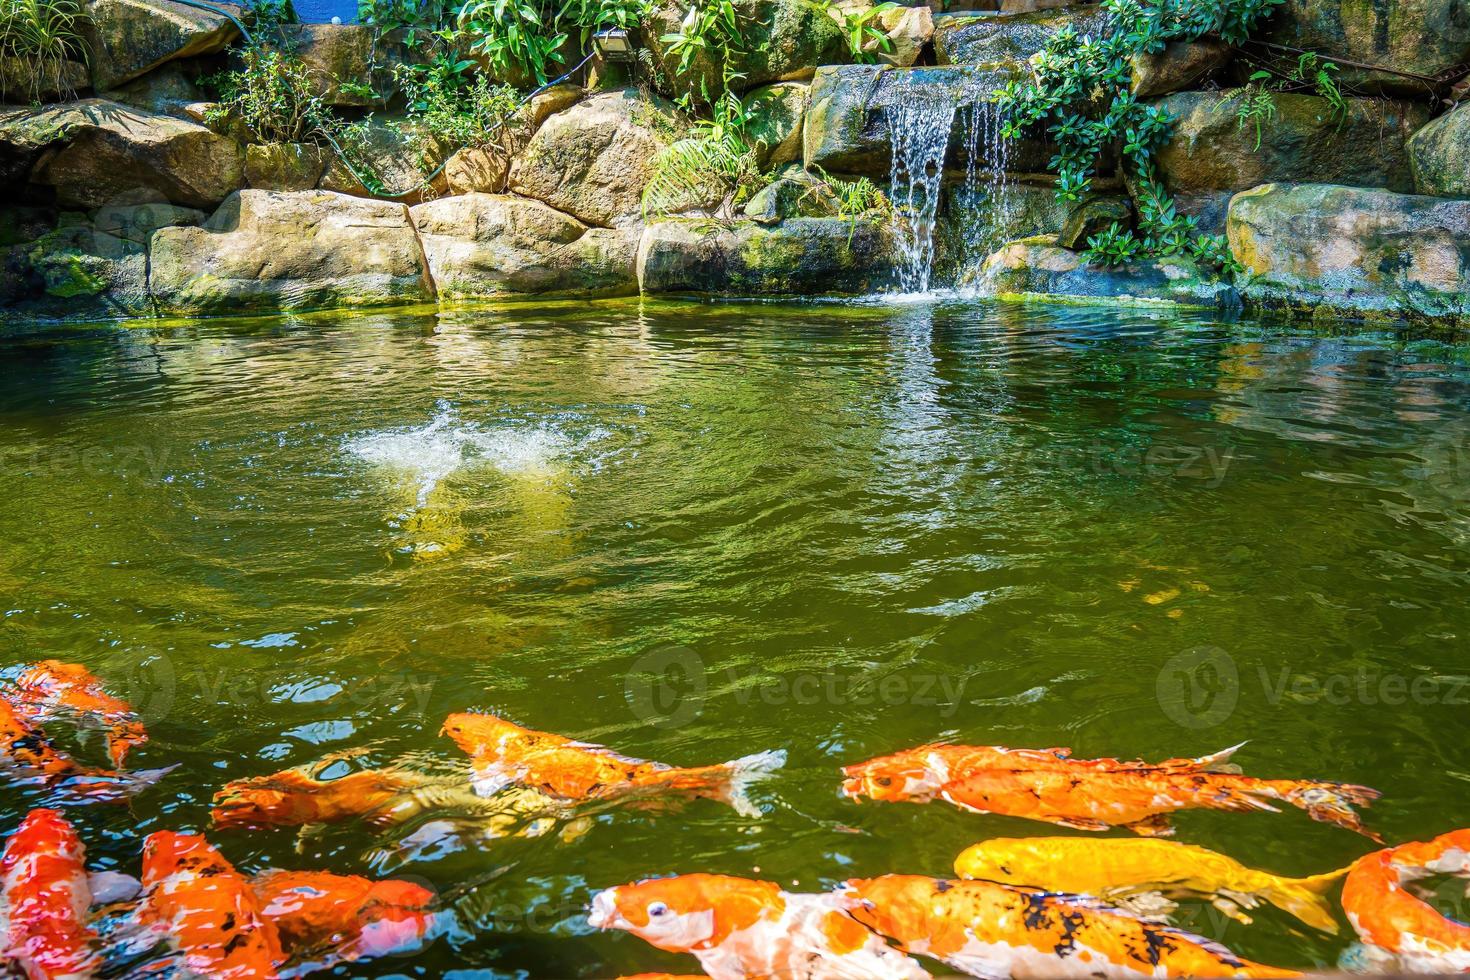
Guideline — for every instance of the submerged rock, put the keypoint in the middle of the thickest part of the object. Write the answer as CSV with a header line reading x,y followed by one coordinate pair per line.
x,y
1211,155
1353,251
1440,155
269,251
1422,37
486,245
783,41
1039,267
100,151
798,257
128,38
593,160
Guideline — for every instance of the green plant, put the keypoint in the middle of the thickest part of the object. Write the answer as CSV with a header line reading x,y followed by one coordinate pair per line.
x,y
712,31
1081,98
863,30
273,95
715,162
1255,105
420,21
1113,246
450,106
515,37
42,35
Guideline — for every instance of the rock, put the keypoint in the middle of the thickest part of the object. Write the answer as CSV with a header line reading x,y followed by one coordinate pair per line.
x,y
169,90
1007,39
1352,251
790,197
908,31
800,256
392,161
1038,267
476,170
1423,37
285,166
776,115
1181,65
1440,155
1210,156
975,221
848,110
594,159
339,58
128,38
545,104
485,245
136,223
103,150
24,81
785,41
78,272
1093,217
273,251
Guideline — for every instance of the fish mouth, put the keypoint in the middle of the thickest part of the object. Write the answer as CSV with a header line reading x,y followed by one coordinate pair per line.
x,y
852,787
604,914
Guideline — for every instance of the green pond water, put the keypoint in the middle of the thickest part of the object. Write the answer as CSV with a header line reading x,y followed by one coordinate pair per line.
x,y
696,532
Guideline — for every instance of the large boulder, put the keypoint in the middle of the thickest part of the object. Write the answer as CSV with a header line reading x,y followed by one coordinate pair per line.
x,y
128,38
798,257
1008,39
99,151
977,218
339,59
389,161
1425,38
593,160
1039,268
1181,65
481,246
776,113
269,251
1440,155
1335,250
476,170
851,109
285,166
27,80
78,272
907,31
1211,156
782,40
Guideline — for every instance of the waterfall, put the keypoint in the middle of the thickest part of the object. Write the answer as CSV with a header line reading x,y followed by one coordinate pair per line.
x,y
921,120
919,124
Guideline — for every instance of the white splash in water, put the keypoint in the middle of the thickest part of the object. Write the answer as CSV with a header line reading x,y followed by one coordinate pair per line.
x,y
919,124
429,454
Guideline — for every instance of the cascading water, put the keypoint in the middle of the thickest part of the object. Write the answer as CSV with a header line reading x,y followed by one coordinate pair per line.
x,y
919,124
987,183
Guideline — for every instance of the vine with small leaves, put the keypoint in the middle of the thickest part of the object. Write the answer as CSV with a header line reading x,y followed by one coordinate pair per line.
x,y
1081,96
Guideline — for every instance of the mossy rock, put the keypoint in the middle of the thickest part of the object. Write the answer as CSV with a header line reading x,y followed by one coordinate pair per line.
x,y
776,114
1351,251
1007,38
1440,155
1040,268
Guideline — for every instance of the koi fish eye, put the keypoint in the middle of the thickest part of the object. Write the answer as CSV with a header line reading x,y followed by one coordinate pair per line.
x,y
657,908
885,781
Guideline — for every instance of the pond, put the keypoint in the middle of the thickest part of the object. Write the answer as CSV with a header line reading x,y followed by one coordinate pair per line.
x,y
695,532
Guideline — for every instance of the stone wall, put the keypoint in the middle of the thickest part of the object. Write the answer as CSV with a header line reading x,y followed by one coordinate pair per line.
x,y
127,203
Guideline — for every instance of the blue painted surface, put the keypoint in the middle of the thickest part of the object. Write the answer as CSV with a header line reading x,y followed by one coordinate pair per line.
x,y
322,11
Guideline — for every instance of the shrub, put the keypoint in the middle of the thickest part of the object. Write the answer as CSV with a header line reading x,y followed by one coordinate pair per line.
x,y
42,35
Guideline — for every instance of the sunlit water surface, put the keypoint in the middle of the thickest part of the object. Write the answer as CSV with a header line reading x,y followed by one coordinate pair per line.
x,y
695,532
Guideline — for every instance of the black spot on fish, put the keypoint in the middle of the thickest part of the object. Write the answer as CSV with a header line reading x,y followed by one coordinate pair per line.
x,y
942,886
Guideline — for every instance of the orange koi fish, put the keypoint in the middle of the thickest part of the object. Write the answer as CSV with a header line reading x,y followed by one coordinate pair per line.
x,y
740,928
665,976
345,917
918,775
44,898
293,798
1400,931
26,750
505,753
1120,869
1096,794
53,688
207,909
995,931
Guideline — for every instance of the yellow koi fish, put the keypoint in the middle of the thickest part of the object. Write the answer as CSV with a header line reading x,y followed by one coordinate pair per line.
x,y
1118,868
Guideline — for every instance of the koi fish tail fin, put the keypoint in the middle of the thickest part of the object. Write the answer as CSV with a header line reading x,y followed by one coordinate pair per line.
x,y
1305,898
1220,761
1332,803
727,782
111,787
